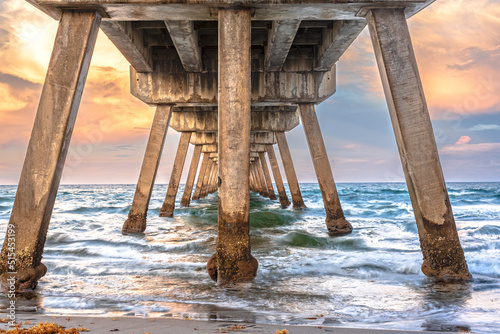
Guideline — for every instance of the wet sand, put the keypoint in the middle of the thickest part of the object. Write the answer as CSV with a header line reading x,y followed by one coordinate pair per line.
x,y
134,325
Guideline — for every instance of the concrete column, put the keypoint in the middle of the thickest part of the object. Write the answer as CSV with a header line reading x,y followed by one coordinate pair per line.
x,y
293,184
267,176
233,262
443,256
285,203
335,219
252,179
136,222
206,178
188,188
201,176
210,179
260,173
167,209
48,147
213,183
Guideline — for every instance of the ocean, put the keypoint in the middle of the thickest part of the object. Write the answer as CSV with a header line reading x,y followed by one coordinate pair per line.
x,y
368,279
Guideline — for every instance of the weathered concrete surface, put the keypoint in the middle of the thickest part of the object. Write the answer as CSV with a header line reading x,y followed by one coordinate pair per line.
x,y
136,221
442,252
209,148
267,176
293,184
188,188
262,121
185,39
201,176
48,147
335,219
285,203
232,263
210,138
279,42
167,209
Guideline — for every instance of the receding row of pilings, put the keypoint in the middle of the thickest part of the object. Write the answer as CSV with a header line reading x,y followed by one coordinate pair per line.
x,y
232,172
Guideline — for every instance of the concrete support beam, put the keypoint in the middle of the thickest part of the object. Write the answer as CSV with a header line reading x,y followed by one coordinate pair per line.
x,y
167,209
188,188
169,83
285,203
136,221
443,256
201,176
335,42
293,184
48,146
261,121
204,138
267,176
209,148
335,219
279,41
185,39
233,263
131,44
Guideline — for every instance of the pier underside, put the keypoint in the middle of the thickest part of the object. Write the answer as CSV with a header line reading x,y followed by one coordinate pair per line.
x,y
233,77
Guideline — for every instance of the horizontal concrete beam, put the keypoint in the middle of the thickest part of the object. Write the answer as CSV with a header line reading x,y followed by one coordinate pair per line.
x,y
169,83
262,10
261,121
210,138
258,148
209,149
130,42
280,39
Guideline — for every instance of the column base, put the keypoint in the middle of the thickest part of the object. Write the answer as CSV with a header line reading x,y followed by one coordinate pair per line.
x,y
285,203
26,279
273,197
299,205
245,271
135,223
339,226
445,263
167,213
185,202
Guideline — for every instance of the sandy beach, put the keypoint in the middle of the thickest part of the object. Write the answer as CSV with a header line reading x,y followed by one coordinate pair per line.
x,y
134,325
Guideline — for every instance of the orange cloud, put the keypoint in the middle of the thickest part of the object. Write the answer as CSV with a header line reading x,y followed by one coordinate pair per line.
x,y
464,140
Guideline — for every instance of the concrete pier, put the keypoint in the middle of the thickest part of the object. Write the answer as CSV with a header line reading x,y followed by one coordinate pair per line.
x,y
48,147
231,78
167,209
267,176
335,219
232,261
293,184
284,201
136,221
193,168
441,249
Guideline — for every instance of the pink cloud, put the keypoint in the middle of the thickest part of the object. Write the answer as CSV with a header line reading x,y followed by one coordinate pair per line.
x,y
464,140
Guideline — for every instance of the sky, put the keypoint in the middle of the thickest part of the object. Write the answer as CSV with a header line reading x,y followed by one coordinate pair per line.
x,y
457,50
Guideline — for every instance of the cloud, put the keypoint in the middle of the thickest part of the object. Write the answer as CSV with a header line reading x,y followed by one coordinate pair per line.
x,y
464,140
484,127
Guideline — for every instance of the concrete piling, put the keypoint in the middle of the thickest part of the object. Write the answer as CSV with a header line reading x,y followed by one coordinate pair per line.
x,y
335,219
293,184
443,256
284,201
136,221
188,188
201,176
167,209
48,145
267,176
233,262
